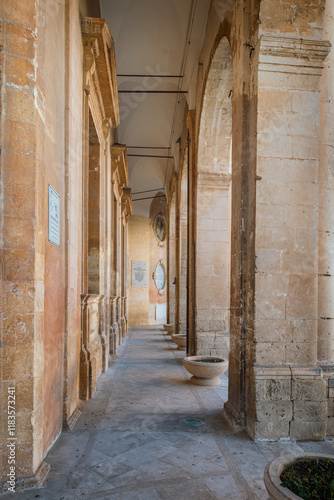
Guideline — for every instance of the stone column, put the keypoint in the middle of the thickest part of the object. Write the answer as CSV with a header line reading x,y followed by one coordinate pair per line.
x,y
192,236
177,252
183,248
171,261
290,399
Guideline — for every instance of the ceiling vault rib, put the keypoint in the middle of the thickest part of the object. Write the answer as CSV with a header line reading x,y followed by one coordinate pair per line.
x,y
153,91
147,147
148,191
151,156
150,197
150,76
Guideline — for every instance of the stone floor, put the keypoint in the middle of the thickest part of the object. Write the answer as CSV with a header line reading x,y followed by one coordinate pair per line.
x,y
132,442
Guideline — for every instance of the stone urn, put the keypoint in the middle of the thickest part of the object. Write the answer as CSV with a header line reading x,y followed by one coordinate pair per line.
x,y
169,328
274,470
205,369
181,341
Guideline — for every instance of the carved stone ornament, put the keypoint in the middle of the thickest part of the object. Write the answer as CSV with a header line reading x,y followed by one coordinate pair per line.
x,y
160,229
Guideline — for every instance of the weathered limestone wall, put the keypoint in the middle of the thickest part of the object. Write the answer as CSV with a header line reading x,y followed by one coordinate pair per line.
x,y
33,156
139,250
297,19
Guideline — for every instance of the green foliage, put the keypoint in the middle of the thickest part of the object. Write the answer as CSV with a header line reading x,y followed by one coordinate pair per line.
x,y
310,479
209,360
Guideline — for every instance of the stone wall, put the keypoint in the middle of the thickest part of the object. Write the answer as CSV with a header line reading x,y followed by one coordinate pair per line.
x,y
48,66
144,246
139,250
32,156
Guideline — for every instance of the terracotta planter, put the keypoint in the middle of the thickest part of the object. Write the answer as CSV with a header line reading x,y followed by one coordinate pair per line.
x,y
275,468
169,328
181,341
205,373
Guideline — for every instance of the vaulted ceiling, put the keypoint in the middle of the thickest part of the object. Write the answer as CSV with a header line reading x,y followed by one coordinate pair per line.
x,y
158,45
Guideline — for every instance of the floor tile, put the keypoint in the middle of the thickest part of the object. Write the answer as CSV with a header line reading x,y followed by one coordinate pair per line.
x,y
132,441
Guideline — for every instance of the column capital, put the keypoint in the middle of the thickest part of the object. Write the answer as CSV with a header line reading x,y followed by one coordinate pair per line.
x,y
213,180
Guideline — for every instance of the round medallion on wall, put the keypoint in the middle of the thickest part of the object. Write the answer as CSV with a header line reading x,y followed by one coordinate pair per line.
x,y
160,277
159,228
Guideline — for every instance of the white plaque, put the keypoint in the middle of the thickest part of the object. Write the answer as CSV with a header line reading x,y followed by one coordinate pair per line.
x,y
54,217
160,277
161,311
139,273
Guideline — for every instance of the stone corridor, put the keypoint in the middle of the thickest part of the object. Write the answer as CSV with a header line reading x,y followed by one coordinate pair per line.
x,y
132,442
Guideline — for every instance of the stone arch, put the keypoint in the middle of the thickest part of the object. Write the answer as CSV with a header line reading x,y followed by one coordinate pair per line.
x,y
214,151
213,206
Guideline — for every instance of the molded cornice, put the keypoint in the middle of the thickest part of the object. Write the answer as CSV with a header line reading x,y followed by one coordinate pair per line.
x,y
101,64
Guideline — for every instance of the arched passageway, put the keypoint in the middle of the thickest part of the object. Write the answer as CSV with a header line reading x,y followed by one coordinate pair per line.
x,y
82,139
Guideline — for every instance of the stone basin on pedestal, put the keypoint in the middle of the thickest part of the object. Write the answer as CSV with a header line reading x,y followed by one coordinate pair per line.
x,y
181,341
169,328
205,369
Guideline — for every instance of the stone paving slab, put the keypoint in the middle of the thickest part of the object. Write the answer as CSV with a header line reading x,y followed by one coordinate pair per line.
x,y
132,442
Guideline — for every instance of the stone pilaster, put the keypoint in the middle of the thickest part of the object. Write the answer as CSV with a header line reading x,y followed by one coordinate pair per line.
x,y
287,200
91,355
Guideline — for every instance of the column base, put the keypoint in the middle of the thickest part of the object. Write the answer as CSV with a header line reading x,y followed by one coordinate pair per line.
x,y
70,423
23,483
290,403
235,419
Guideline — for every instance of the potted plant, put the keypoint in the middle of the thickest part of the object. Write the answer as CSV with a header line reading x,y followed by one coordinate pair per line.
x,y
205,369
308,476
